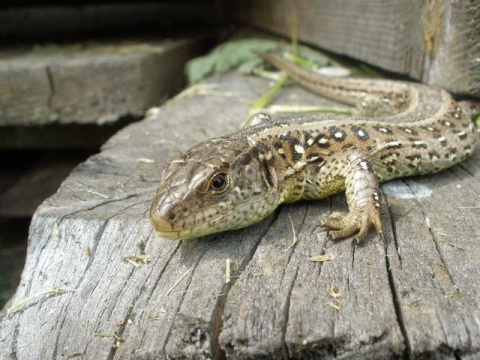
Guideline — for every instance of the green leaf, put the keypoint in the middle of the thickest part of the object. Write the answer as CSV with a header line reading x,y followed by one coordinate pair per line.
x,y
228,56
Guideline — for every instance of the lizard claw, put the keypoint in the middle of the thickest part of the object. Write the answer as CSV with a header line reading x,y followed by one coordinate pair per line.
x,y
356,223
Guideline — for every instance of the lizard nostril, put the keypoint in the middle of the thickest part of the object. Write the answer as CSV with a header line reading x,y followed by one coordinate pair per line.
x,y
168,211
163,218
173,210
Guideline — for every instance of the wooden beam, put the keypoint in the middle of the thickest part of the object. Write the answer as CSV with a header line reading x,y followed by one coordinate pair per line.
x,y
436,42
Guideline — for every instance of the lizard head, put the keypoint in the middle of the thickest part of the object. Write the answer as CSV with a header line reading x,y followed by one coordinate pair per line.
x,y
218,185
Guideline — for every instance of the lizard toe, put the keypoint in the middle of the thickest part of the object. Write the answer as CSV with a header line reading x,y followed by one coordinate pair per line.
x,y
336,221
356,223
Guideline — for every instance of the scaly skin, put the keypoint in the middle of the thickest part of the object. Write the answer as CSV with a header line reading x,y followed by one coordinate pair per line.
x,y
236,180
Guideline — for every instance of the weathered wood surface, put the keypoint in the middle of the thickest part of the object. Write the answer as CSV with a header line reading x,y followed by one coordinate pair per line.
x,y
419,300
436,42
91,83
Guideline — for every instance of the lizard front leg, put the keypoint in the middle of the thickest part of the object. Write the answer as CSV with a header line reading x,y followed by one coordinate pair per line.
x,y
363,198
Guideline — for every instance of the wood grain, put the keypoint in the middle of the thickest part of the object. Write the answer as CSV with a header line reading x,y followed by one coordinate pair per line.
x,y
91,83
419,299
435,41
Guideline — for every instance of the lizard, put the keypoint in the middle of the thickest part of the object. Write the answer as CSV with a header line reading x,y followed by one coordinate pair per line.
x,y
399,129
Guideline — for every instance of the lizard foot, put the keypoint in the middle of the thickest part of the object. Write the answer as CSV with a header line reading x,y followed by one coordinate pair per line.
x,y
356,223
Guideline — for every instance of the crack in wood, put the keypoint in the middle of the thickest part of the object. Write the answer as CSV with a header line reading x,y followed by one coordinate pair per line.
x,y
180,302
107,202
407,354
51,86
393,232
153,288
113,349
433,237
216,320
16,333
96,241
286,310
287,314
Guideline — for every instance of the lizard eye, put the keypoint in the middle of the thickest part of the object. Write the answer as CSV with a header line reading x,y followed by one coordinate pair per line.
x,y
218,182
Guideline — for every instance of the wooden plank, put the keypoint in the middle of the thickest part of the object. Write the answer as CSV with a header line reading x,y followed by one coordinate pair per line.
x,y
74,19
432,41
419,299
92,83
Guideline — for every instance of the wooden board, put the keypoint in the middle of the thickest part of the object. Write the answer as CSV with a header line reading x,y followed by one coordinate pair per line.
x,y
91,83
81,297
25,19
436,42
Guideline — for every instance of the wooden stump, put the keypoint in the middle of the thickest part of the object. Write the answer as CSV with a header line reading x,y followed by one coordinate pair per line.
x,y
99,284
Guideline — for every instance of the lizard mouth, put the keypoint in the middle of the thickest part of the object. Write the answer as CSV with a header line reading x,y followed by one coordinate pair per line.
x,y
229,220
165,228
